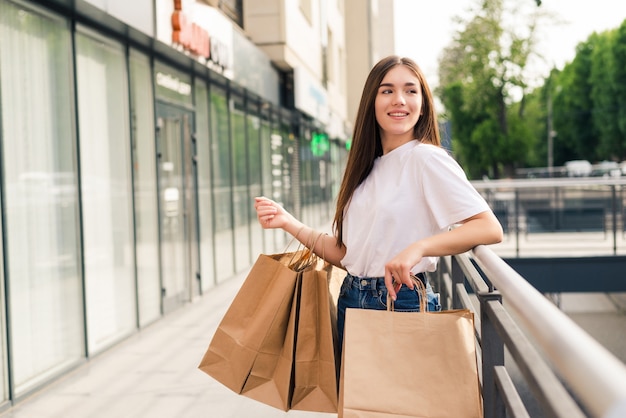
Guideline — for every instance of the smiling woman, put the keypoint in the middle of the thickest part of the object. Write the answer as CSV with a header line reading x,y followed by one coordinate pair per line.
x,y
398,107
399,195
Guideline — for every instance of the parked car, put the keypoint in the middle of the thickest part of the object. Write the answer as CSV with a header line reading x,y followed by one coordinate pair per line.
x,y
578,168
606,169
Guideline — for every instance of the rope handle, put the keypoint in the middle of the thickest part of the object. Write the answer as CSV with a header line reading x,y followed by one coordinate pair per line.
x,y
421,292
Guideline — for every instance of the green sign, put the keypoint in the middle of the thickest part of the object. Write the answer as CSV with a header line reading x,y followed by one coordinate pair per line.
x,y
319,144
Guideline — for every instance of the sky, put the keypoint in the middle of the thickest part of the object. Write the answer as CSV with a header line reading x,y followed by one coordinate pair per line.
x,y
423,28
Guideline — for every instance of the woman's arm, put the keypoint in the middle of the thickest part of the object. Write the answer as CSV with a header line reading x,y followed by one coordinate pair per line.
x,y
271,215
482,228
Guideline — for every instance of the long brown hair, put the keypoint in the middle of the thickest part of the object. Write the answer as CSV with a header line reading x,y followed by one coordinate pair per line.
x,y
366,143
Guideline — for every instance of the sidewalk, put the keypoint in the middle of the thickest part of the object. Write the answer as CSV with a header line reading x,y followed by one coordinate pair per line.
x,y
155,374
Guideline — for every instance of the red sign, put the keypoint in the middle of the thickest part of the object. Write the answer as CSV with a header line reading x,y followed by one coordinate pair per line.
x,y
195,39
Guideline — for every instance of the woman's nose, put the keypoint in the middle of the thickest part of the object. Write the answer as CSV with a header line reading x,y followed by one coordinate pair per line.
x,y
399,99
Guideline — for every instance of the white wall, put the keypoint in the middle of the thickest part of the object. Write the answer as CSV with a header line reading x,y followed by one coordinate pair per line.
x,y
136,13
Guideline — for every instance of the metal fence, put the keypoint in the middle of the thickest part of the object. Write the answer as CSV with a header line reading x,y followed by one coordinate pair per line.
x,y
568,373
593,208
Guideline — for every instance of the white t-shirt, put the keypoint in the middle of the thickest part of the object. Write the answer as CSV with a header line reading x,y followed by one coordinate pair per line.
x,y
413,192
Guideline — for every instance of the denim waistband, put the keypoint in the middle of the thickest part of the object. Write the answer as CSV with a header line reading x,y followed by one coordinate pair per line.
x,y
375,283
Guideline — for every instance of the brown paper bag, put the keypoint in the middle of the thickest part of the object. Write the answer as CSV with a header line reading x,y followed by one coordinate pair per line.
x,y
250,338
402,364
271,375
315,368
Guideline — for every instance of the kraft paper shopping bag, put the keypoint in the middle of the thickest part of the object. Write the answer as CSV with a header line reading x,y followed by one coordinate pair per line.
x,y
409,364
316,354
257,319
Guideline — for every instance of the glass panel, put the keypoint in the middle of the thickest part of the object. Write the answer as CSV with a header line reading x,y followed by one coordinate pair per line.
x,y
281,148
308,181
255,175
266,172
172,86
204,186
144,166
224,263
314,153
179,240
191,203
241,197
46,309
106,184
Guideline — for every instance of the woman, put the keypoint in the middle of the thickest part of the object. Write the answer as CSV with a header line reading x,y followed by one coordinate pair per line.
x,y
400,194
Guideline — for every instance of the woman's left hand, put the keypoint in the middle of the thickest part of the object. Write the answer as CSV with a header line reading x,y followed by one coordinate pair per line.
x,y
398,269
480,229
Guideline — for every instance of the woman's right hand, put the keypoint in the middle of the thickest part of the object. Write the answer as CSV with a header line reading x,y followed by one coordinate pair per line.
x,y
270,214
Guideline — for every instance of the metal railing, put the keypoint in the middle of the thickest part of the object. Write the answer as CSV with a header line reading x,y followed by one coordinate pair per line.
x,y
568,372
534,210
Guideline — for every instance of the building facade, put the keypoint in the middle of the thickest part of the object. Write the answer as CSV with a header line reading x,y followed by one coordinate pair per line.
x,y
133,138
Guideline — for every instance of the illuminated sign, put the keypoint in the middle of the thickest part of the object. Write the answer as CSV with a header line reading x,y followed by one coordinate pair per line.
x,y
195,39
319,144
173,83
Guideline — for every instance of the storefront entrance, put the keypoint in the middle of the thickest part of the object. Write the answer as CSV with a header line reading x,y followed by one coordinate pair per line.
x,y
177,206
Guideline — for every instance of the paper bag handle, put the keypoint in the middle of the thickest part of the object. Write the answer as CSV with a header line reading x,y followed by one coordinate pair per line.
x,y
421,291
308,258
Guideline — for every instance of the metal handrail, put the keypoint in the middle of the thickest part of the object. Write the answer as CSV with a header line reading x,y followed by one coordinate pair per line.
x,y
547,183
596,377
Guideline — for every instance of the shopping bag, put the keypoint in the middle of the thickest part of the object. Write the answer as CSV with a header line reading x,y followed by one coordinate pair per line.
x,y
316,354
409,364
270,380
250,337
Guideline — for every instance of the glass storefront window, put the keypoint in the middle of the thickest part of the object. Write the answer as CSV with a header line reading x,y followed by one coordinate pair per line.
x,y
40,181
241,198
106,185
205,205
223,203
145,188
255,174
281,148
266,170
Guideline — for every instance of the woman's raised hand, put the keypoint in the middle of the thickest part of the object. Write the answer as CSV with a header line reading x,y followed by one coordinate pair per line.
x,y
270,213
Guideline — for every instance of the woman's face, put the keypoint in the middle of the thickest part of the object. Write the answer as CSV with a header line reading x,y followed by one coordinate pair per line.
x,y
398,105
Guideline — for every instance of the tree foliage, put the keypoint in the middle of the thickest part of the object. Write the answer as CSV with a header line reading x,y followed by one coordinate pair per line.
x,y
499,123
590,100
480,74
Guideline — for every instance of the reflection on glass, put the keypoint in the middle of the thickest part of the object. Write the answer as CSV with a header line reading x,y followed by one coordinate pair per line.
x,y
41,197
146,217
255,176
175,274
241,201
221,163
106,198
205,208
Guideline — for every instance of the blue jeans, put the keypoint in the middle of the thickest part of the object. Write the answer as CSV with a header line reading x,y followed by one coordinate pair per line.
x,y
371,293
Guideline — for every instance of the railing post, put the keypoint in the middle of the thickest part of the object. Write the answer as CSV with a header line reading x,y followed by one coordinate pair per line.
x,y
492,355
614,219
517,222
458,277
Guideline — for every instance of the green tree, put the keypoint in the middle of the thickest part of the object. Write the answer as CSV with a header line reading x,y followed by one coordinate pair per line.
x,y
480,72
531,118
570,91
604,96
619,58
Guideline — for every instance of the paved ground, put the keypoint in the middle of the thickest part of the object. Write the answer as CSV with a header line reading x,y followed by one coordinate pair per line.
x,y
154,373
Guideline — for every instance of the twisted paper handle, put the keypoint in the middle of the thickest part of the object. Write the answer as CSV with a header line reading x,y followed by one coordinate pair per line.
x,y
421,291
